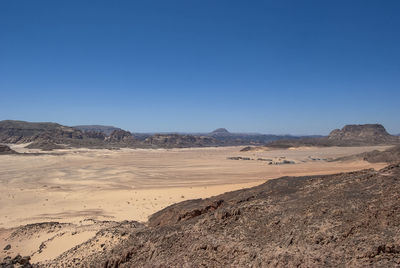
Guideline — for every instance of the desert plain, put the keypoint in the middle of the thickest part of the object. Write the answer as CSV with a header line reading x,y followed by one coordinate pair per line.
x,y
80,186
131,184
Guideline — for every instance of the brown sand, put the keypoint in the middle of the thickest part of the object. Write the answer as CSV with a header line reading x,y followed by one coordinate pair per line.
x,y
129,184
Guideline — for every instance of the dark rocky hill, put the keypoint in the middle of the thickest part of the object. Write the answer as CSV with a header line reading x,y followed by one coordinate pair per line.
x,y
120,135
22,132
107,130
47,133
370,133
343,220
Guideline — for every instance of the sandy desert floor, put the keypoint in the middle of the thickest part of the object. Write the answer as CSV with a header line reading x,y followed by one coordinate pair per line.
x,y
80,185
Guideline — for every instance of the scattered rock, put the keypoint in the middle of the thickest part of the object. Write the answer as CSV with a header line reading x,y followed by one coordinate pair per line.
x,y
238,158
17,261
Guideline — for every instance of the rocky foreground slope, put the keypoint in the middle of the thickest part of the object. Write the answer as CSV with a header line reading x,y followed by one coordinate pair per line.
x,y
343,220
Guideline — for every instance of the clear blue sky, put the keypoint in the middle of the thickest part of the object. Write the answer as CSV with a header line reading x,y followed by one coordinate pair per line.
x,y
300,67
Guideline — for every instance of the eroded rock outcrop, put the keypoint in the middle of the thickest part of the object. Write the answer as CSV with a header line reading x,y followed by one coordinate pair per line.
x,y
120,136
369,133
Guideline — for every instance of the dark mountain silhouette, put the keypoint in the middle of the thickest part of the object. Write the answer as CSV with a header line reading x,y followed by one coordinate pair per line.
x,y
220,131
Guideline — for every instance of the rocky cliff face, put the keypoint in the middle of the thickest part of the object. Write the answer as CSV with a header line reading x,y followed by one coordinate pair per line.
x,y
120,136
49,136
343,220
106,130
373,133
23,132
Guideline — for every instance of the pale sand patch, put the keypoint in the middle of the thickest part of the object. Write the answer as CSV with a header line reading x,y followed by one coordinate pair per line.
x,y
46,243
62,243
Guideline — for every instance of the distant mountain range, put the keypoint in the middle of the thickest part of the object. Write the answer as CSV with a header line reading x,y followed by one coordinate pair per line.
x,y
50,136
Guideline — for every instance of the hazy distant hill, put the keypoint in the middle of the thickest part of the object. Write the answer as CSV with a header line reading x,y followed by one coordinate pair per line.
x,y
220,131
97,128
